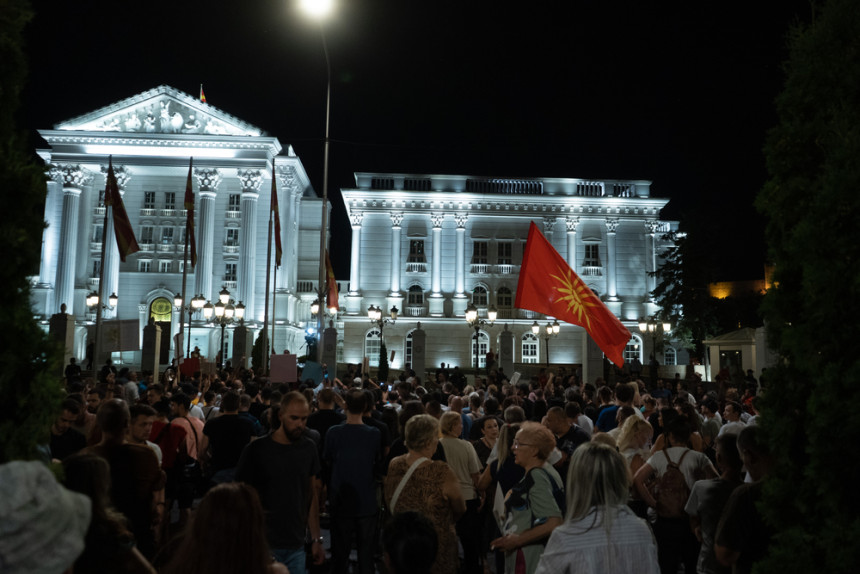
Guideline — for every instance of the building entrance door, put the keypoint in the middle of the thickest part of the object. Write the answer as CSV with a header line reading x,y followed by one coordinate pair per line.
x,y
161,311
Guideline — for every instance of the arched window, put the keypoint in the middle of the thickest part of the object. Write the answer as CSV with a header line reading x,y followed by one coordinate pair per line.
x,y
479,296
531,348
407,350
480,346
670,356
633,350
372,344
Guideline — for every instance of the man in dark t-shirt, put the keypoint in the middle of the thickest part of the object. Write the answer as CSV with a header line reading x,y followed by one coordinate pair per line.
x,y
326,417
228,435
351,451
66,441
568,436
284,468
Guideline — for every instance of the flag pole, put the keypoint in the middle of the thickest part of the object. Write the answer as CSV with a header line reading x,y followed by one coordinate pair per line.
x,y
188,234
265,333
97,347
274,303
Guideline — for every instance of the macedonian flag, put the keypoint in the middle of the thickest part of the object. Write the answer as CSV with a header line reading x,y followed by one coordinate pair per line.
x,y
189,217
330,284
548,285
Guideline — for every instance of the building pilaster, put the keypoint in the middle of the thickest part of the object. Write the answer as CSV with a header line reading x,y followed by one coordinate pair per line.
x,y
73,178
396,221
611,286
251,180
571,223
208,180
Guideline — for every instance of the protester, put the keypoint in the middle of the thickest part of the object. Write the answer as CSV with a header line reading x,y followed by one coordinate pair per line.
x,y
226,535
533,510
430,488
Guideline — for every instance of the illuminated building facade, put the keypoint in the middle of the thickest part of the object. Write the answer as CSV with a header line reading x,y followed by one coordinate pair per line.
x,y
432,244
151,137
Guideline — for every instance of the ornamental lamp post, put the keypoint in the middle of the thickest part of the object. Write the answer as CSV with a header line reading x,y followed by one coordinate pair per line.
x,y
551,331
654,326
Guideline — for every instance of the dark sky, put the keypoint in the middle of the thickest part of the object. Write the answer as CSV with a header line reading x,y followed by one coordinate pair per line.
x,y
680,93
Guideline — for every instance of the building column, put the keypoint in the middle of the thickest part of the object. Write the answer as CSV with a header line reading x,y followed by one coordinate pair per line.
x,y
208,179
251,180
437,308
111,261
293,238
571,223
286,280
548,228
611,286
353,298
50,239
73,178
461,300
651,226
396,221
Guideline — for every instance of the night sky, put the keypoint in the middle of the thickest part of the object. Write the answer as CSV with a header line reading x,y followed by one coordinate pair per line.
x,y
680,93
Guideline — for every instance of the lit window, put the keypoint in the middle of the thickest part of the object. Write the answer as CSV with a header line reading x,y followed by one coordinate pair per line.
x,y
479,296
166,235
633,350
407,352
416,251
531,348
149,200
479,252
416,295
480,346
144,265
169,200
164,266
232,237
372,344
670,356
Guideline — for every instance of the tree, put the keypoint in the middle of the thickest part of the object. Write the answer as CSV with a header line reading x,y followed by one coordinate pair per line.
x,y
30,390
382,372
811,200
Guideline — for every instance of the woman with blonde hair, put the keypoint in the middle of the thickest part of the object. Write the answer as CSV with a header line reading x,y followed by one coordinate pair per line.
x,y
601,534
633,446
534,504
415,483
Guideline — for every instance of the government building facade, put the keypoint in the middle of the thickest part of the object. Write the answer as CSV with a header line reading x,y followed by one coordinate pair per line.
x,y
151,138
431,245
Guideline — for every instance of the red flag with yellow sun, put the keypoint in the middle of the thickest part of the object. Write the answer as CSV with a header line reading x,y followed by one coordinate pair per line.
x,y
548,285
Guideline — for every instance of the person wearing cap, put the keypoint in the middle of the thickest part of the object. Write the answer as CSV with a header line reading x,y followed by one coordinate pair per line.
x,y
42,524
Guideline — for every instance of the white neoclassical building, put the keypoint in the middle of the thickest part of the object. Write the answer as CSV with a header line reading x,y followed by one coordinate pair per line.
x,y
432,244
151,137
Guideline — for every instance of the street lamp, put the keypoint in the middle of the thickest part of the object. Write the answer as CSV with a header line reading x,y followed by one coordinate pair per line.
x,y
550,332
476,323
93,301
654,326
197,302
223,313
375,316
319,10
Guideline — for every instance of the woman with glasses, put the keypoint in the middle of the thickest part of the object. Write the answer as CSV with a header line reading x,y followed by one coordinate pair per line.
x,y
534,505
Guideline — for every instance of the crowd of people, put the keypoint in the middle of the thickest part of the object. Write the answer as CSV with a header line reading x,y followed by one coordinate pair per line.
x,y
226,472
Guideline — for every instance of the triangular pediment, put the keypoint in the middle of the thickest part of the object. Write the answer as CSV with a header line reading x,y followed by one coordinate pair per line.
x,y
162,110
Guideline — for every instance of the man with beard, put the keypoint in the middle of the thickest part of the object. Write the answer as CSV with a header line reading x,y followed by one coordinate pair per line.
x,y
284,467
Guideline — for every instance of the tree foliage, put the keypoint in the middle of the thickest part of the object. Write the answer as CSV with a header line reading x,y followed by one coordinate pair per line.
x,y
811,201
30,390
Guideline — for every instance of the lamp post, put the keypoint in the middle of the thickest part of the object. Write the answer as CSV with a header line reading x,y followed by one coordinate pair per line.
x,y
375,316
197,302
223,313
654,326
550,332
319,11
93,301
476,323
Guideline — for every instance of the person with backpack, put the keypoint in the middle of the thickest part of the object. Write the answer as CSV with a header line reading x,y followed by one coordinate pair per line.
x,y
664,483
535,505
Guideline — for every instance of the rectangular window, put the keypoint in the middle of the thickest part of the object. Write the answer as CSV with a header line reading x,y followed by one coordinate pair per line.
x,y
97,268
416,251
183,232
149,200
146,235
144,265
530,350
169,200
164,266
166,235
229,272
505,253
98,233
479,252
592,255
181,266
235,202
232,237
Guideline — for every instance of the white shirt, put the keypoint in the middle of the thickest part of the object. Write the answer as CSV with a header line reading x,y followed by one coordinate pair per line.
x,y
584,547
731,428
586,423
